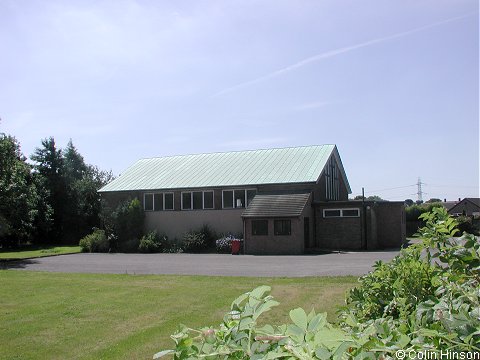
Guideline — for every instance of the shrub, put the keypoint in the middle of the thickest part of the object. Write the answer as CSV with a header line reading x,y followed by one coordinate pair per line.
x,y
129,246
194,241
172,247
128,222
152,243
95,242
465,224
224,245
413,305
209,235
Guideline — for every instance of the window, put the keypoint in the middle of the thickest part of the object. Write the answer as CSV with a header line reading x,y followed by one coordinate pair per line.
x,y
208,200
332,213
148,202
282,227
227,199
187,201
168,201
197,200
341,213
350,213
259,227
332,183
237,198
158,201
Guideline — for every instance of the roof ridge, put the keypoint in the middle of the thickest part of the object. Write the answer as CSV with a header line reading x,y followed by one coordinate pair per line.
x,y
235,151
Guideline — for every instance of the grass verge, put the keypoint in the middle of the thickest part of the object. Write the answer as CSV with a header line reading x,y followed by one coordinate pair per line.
x,y
102,316
36,252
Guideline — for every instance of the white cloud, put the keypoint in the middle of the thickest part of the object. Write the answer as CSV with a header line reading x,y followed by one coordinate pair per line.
x,y
333,53
312,105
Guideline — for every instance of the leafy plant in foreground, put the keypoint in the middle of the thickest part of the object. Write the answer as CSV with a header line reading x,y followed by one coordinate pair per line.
x,y
427,298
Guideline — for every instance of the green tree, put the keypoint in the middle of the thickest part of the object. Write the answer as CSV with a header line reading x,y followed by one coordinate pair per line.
x,y
433,200
128,225
83,181
409,202
49,171
18,196
370,198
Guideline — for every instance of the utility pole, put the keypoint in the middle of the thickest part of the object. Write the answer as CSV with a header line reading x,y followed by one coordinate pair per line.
x,y
419,190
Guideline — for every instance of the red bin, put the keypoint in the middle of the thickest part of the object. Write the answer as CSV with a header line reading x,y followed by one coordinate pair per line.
x,y
235,247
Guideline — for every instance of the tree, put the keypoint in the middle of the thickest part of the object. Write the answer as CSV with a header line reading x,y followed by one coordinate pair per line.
x,y
370,198
409,202
74,169
128,225
433,200
18,195
83,181
49,173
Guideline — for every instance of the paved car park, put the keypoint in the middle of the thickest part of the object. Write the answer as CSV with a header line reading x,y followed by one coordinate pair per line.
x,y
331,264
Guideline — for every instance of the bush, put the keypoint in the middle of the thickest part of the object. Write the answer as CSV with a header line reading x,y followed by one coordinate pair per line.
x,y
465,224
95,242
194,241
209,235
128,222
172,247
129,246
152,243
224,245
414,305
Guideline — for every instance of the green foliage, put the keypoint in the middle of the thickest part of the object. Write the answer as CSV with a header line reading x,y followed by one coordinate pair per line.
x,y
172,247
199,240
427,298
18,194
50,173
69,204
209,234
128,220
413,212
95,242
152,243
440,308
194,241
369,198
465,224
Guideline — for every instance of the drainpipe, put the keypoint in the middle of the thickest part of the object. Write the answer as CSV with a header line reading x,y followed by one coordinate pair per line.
x,y
314,221
364,211
244,236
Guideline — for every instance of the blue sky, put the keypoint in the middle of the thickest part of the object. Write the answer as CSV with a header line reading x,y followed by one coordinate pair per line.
x,y
395,84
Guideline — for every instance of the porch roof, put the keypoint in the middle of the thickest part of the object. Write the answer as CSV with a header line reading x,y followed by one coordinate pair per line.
x,y
277,205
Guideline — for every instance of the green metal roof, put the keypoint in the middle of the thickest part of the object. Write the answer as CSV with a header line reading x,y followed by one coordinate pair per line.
x,y
254,167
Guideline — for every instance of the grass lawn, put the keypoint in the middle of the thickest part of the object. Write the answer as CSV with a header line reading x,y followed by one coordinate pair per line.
x,y
98,316
37,251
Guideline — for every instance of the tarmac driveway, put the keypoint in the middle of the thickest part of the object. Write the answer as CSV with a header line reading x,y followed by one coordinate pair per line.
x,y
349,263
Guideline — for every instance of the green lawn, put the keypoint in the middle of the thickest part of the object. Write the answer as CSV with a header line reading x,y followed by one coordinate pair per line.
x,y
36,251
92,316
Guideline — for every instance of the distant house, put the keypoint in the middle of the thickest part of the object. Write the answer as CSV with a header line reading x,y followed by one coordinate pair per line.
x,y
283,201
467,207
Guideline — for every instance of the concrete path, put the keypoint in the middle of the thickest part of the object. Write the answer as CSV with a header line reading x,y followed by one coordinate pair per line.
x,y
350,263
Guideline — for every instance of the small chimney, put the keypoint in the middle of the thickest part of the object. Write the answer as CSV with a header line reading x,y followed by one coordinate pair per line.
x,y
444,200
459,199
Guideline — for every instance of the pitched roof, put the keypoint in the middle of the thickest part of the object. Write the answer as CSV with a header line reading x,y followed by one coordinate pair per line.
x,y
280,205
474,201
254,167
